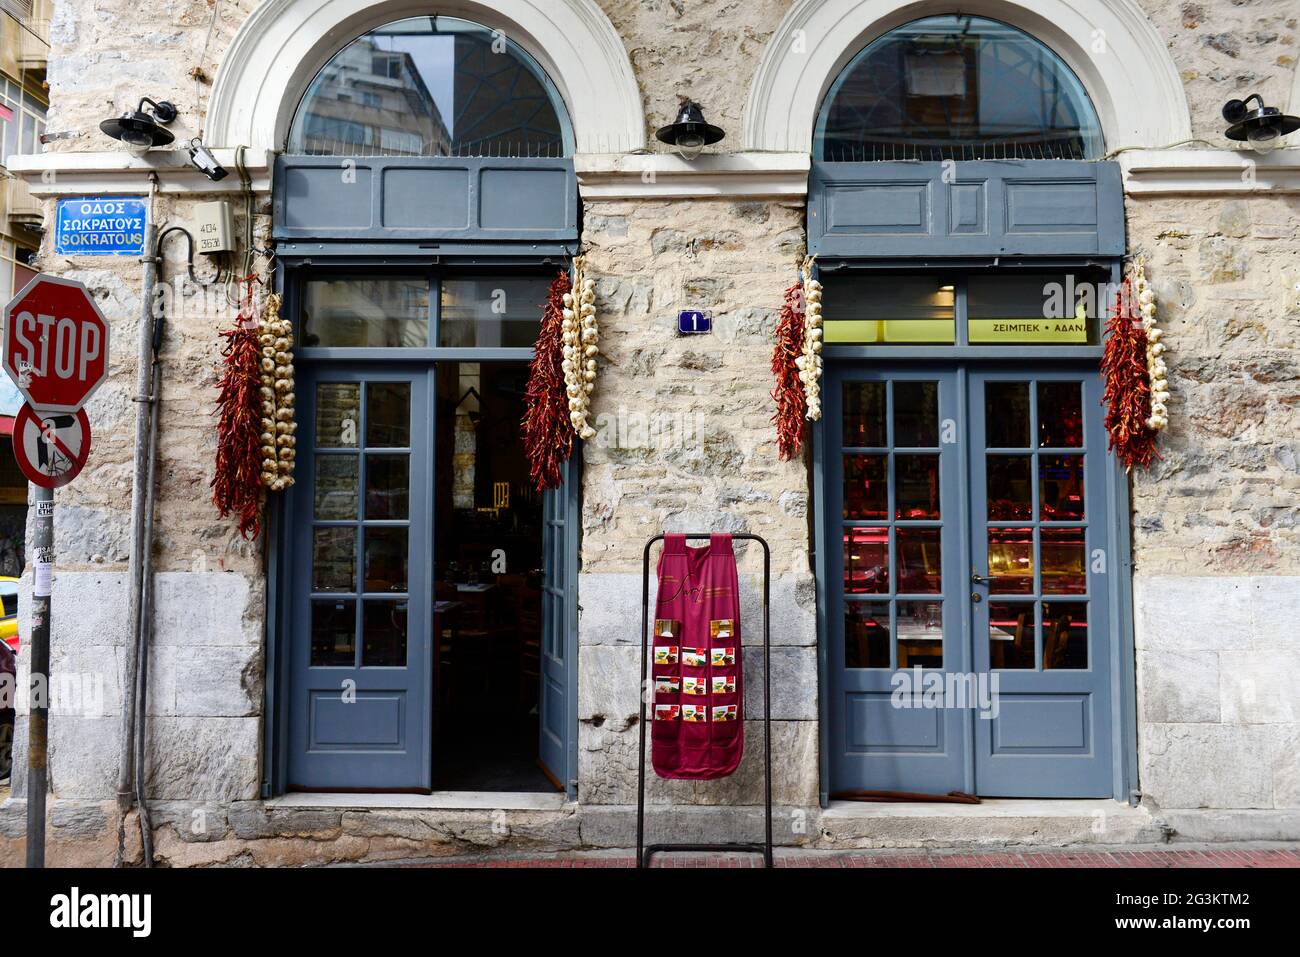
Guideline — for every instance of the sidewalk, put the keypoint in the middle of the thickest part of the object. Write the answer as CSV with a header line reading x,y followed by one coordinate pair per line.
x,y
1189,855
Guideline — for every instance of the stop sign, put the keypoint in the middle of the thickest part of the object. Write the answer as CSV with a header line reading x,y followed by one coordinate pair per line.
x,y
56,344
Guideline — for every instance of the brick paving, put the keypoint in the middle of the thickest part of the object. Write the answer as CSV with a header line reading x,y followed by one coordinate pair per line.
x,y
1213,856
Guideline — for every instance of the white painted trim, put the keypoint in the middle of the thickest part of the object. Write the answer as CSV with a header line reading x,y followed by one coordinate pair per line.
x,y
284,43
711,176
117,171
1173,172
614,176
1134,84
437,800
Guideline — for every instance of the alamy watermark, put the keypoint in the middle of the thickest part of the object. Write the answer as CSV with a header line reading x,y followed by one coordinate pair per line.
x,y
918,688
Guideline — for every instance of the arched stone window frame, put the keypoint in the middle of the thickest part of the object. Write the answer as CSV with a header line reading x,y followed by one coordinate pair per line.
x,y
1109,44
283,44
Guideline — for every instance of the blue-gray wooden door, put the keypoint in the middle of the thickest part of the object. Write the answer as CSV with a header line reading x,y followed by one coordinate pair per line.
x,y
1039,521
360,648
557,699
966,534
893,562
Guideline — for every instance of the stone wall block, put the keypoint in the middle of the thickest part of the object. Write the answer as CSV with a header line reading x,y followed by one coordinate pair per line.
x,y
208,759
1176,761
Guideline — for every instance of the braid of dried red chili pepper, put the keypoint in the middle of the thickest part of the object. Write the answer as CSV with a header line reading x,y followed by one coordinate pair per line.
x,y
1128,387
237,482
791,403
547,434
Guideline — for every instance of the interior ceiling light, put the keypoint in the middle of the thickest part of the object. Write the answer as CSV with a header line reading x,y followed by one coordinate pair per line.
x,y
1262,127
689,132
141,130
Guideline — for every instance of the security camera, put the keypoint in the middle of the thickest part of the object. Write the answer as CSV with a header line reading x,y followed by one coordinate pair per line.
x,y
205,162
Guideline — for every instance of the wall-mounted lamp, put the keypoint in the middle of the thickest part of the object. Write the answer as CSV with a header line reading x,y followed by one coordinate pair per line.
x,y
202,159
140,130
1263,127
689,132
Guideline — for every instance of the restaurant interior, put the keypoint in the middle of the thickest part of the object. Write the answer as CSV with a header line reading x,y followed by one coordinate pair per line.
x,y
487,531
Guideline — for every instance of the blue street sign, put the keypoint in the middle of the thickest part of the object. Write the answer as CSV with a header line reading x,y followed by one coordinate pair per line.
x,y
100,226
690,321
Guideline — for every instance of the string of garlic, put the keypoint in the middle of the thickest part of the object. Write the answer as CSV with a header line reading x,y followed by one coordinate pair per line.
x,y
810,362
1157,371
581,347
275,336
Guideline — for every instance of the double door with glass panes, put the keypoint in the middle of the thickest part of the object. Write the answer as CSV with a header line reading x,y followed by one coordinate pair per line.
x,y
969,628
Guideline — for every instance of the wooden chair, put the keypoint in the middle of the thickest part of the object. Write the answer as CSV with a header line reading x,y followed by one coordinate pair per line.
x,y
1056,648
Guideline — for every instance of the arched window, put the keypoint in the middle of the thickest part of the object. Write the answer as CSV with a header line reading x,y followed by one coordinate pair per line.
x,y
957,87
431,86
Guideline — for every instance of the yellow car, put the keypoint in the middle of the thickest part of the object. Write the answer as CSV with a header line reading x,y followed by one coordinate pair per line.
x,y
9,613
8,670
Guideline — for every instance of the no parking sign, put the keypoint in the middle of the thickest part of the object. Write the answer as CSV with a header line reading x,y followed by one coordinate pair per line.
x,y
51,449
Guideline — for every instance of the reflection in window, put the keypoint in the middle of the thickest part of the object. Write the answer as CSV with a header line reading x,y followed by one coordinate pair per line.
x,y
864,415
383,634
1006,415
920,634
1063,561
866,634
336,487
959,88
333,634
1065,634
916,414
919,561
1010,490
492,312
1011,635
430,86
334,559
388,486
1060,415
866,488
892,309
1011,561
916,491
1061,487
386,559
366,312
866,560
1036,308
388,415
338,410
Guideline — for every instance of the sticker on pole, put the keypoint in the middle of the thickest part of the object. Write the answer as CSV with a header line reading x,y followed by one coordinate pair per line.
x,y
52,449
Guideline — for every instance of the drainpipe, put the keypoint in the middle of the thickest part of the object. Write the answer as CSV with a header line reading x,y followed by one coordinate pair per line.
x,y
144,395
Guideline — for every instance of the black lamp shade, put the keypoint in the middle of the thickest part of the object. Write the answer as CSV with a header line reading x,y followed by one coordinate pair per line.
x,y
1246,121
690,127
140,129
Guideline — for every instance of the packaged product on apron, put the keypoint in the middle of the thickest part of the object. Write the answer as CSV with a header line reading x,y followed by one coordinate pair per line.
x,y
697,728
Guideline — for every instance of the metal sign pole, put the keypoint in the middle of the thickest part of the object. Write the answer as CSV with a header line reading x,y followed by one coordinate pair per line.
x,y
39,685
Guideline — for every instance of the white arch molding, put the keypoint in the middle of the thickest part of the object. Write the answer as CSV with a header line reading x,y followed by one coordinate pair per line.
x,y
284,43
1112,47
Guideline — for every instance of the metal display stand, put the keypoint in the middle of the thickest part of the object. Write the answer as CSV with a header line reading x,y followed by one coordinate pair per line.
x,y
644,852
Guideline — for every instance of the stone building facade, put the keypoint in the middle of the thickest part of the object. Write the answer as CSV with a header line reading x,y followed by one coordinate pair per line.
x,y
1214,658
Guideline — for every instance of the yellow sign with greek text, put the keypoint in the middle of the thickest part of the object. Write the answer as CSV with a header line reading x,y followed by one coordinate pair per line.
x,y
1028,330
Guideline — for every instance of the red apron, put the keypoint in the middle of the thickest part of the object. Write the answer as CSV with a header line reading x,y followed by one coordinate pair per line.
x,y
697,726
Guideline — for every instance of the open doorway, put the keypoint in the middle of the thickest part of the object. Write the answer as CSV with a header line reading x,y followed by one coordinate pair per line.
x,y
431,598
488,535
